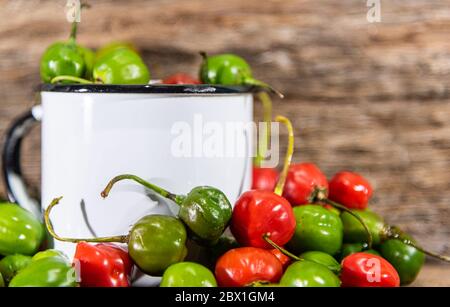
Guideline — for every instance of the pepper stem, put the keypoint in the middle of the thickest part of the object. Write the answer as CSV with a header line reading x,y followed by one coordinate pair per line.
x,y
48,224
393,232
70,78
360,220
178,199
252,81
289,152
266,238
267,117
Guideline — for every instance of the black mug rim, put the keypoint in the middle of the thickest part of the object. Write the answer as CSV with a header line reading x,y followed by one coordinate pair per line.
x,y
199,89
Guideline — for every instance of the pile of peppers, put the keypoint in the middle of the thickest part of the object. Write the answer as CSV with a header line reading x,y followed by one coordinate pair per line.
x,y
294,228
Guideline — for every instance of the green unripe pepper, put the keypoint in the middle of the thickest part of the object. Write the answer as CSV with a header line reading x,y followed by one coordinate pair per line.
x,y
89,59
351,248
229,69
205,210
2,282
12,264
323,259
154,242
188,274
48,253
112,47
61,58
406,260
20,231
121,66
354,231
381,232
46,272
318,229
309,274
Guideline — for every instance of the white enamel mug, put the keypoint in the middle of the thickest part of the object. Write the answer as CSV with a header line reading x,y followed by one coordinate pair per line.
x,y
91,133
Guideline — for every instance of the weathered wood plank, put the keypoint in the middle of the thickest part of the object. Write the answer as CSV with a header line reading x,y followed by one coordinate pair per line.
x,y
374,98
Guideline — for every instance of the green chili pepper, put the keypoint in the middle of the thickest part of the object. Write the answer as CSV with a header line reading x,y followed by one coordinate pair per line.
x,y
154,242
48,253
12,264
121,66
53,271
21,232
89,59
106,49
188,274
229,69
205,210
407,260
351,248
309,274
64,58
323,259
318,229
2,282
381,232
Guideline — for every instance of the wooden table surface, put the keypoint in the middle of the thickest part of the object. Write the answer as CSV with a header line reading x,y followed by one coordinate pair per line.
x,y
433,275
368,97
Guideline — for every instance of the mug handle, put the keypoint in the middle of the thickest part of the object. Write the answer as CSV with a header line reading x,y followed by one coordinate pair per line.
x,y
12,172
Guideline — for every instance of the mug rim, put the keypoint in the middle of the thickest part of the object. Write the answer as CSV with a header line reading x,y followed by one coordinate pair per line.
x,y
208,89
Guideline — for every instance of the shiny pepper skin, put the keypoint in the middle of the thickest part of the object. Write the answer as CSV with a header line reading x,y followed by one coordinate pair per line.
x,y
367,270
305,183
257,213
245,265
407,260
103,265
49,271
318,229
156,242
62,58
12,264
309,274
323,259
285,260
121,66
264,178
350,189
188,274
20,231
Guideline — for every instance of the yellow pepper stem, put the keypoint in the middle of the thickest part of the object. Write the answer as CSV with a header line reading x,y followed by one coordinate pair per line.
x,y
48,224
289,152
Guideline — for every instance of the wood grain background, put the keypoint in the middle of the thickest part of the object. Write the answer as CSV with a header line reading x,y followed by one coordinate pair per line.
x,y
369,97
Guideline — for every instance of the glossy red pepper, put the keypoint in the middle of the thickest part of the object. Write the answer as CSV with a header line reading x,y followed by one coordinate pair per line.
x,y
264,178
285,260
350,189
103,265
257,214
368,270
180,78
242,266
305,183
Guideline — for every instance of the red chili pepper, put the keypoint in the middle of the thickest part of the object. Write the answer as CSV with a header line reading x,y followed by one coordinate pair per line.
x,y
180,78
305,183
103,265
367,270
242,266
258,214
350,189
285,260
264,178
